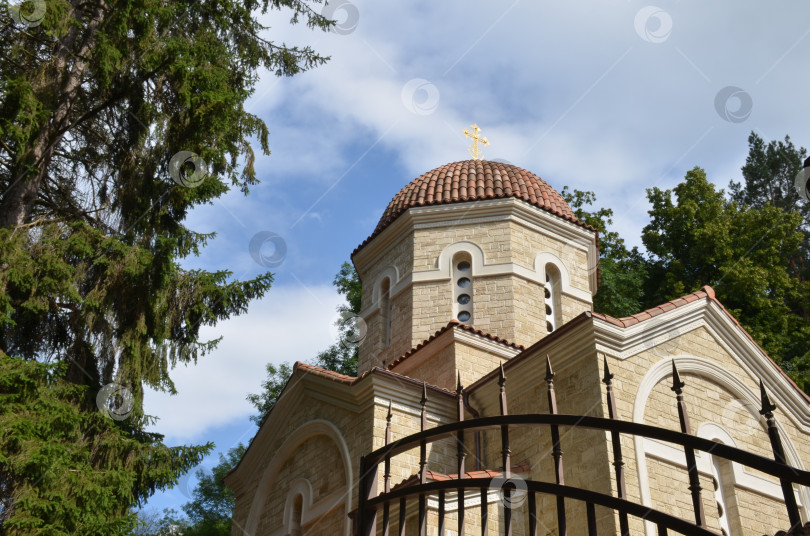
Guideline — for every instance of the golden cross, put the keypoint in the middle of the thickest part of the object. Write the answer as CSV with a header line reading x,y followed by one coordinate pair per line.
x,y
475,150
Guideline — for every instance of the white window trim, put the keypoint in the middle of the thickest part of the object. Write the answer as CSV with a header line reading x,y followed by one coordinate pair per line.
x,y
722,377
459,257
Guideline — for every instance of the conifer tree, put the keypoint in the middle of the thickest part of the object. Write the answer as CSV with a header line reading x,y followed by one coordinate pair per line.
x,y
117,117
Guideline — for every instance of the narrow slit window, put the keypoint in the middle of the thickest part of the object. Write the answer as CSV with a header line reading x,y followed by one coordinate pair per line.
x,y
296,529
551,294
385,307
462,289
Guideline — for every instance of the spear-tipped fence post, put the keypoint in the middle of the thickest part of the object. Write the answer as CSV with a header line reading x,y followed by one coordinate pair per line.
x,y
691,464
387,473
556,450
779,455
618,462
367,516
506,456
462,453
423,465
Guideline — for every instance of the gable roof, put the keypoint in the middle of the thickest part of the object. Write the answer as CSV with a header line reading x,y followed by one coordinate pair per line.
x,y
705,293
453,324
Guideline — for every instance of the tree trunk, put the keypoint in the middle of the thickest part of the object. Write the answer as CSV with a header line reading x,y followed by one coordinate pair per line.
x,y
32,169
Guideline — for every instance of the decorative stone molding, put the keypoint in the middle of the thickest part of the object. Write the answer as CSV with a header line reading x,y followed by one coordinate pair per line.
x,y
482,211
270,475
716,374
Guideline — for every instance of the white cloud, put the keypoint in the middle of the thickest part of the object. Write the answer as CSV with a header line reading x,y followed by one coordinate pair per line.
x,y
290,324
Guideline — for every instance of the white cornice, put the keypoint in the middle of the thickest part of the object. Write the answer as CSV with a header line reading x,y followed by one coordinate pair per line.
x,y
482,211
624,343
459,335
564,351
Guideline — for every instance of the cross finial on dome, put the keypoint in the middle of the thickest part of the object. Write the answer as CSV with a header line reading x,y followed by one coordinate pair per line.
x,y
475,150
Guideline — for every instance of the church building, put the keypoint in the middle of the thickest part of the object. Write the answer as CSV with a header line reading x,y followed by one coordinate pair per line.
x,y
550,417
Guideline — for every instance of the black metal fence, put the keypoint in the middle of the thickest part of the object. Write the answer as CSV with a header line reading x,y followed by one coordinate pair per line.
x,y
370,501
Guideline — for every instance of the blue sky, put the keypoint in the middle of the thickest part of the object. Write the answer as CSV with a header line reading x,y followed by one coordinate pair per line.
x,y
612,97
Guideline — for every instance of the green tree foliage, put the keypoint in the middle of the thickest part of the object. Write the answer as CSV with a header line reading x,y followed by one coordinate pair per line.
x,y
623,271
340,357
769,177
95,101
211,507
743,252
65,470
277,378
151,522
210,511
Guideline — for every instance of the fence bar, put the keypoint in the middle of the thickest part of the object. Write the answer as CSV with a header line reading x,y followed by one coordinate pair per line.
x,y
422,515
441,513
423,465
506,456
591,519
367,517
402,513
779,456
532,513
556,450
691,464
662,530
462,454
618,462
484,512
387,473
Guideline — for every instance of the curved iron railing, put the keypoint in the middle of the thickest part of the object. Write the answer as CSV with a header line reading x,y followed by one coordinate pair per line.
x,y
370,500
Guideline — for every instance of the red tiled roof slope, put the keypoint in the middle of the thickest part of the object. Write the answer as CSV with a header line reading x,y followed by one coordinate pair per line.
x,y
325,373
351,380
705,292
452,324
440,477
471,180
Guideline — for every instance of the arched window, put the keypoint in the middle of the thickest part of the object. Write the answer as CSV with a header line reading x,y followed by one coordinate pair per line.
x,y
463,288
552,298
297,514
723,487
385,309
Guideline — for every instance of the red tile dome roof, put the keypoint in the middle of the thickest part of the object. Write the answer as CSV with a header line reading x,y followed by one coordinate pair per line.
x,y
471,180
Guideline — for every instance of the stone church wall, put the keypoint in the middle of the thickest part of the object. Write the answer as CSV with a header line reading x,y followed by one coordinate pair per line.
x,y
708,403
373,351
316,458
585,459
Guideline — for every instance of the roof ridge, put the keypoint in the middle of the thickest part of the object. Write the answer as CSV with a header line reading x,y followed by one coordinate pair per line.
x,y
482,473
707,292
452,324
326,373
626,321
